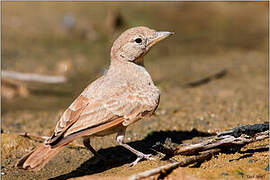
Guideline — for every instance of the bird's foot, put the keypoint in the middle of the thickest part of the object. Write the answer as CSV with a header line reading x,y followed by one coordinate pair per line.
x,y
140,157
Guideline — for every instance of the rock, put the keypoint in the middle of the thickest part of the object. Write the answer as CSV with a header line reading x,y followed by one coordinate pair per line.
x,y
267,168
251,160
64,66
224,174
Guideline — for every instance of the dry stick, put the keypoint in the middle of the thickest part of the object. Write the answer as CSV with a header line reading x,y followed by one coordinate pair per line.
x,y
33,77
207,79
202,146
43,138
227,140
242,135
164,169
26,134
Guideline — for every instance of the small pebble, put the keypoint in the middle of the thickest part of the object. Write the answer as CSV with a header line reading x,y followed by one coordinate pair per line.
x,y
8,161
240,173
224,174
162,112
267,168
201,118
69,21
67,160
6,131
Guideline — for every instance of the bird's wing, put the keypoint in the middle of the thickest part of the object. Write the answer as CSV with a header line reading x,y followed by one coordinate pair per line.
x,y
68,118
122,102
90,115
134,105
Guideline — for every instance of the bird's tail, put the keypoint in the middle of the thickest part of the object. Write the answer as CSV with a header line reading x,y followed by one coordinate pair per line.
x,y
37,158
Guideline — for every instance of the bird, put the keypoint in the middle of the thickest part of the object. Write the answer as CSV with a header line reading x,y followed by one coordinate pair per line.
x,y
125,94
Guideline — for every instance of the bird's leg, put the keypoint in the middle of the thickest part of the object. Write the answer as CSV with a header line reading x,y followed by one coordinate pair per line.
x,y
120,139
86,143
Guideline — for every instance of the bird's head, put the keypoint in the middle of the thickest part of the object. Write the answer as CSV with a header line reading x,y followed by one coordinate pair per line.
x,y
134,43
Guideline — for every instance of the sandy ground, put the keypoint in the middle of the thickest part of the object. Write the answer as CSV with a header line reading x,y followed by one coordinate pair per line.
x,y
221,36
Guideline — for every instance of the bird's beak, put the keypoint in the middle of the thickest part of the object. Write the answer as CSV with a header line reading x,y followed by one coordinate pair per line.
x,y
160,35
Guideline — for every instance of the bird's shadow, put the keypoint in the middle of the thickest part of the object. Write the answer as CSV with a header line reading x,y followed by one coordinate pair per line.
x,y
118,156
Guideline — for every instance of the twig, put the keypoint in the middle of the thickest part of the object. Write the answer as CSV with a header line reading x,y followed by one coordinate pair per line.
x,y
169,167
33,77
43,138
205,80
220,142
28,135
239,136
153,172
246,129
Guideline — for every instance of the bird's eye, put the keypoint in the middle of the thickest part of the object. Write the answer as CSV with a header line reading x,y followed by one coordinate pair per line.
x,y
138,40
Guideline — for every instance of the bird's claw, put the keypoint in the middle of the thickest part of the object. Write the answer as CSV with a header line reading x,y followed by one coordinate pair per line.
x,y
149,157
140,157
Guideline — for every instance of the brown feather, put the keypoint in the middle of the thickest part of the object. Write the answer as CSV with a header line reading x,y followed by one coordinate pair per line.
x,y
90,131
37,158
79,105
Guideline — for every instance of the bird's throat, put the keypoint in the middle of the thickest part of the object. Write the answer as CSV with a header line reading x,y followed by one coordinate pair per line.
x,y
139,61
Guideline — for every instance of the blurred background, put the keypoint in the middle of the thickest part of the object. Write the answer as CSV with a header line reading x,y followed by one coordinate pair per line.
x,y
213,73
